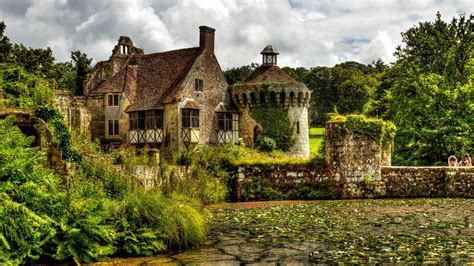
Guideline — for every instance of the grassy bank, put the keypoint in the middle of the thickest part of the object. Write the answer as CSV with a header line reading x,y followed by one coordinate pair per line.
x,y
316,139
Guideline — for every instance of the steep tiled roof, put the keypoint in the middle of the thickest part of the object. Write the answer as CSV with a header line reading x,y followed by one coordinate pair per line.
x,y
159,77
124,81
269,74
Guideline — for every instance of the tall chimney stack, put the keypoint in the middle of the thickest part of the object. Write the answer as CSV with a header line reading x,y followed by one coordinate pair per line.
x,y
206,39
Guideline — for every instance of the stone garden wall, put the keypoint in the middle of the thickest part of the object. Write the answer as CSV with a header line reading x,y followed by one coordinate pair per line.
x,y
405,181
310,182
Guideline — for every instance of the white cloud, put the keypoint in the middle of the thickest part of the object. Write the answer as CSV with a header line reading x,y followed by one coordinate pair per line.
x,y
306,32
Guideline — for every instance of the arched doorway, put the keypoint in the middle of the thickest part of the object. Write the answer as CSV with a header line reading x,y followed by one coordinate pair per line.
x,y
256,132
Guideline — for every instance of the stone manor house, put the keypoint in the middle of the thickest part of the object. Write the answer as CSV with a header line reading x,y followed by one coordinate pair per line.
x,y
174,100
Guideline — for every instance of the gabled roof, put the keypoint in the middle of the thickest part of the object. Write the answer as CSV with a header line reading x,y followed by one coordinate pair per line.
x,y
124,81
270,74
151,80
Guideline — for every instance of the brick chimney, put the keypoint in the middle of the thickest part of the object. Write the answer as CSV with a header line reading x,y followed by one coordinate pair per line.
x,y
206,39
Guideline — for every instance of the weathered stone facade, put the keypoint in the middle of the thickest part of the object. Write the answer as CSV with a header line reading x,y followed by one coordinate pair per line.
x,y
75,111
352,156
163,83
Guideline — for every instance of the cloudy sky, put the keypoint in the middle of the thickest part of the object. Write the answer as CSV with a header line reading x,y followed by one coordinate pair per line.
x,y
306,33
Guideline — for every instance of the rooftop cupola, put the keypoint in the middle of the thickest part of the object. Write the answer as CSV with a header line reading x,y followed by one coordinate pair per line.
x,y
269,56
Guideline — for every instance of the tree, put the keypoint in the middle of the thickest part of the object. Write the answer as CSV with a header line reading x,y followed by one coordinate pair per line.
x,y
428,93
5,44
239,74
82,65
440,47
433,116
299,73
344,87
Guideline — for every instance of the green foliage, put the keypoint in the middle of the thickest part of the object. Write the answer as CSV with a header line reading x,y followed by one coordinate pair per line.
x,y
265,144
275,124
149,223
61,132
82,65
347,86
381,131
5,44
428,93
92,214
183,159
30,197
239,74
316,141
440,47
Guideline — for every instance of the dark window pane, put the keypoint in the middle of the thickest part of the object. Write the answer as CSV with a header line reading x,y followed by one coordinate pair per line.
x,y
109,100
198,84
185,118
111,127
116,99
116,127
141,120
220,121
159,119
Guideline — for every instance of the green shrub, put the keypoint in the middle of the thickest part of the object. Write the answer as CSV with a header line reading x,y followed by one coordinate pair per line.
x,y
30,197
148,223
22,232
184,159
265,144
84,235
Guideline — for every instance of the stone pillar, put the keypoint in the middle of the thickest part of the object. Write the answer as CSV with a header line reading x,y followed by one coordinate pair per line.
x,y
351,156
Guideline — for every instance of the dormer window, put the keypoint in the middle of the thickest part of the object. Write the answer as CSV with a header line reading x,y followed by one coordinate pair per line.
x,y
269,56
113,100
198,85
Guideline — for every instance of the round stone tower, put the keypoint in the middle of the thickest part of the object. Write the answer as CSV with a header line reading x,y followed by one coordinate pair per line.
x,y
270,88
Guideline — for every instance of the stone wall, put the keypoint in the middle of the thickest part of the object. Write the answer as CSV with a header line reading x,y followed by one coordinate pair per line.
x,y
150,177
255,182
74,110
403,181
250,181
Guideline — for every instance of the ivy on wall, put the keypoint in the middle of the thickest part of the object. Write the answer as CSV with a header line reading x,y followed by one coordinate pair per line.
x,y
275,124
381,131
54,118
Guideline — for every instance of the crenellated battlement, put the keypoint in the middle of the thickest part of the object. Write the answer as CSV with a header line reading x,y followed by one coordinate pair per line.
x,y
287,95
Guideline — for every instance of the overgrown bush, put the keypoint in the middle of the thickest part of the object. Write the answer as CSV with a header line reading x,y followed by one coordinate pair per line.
x,y
265,144
148,223
94,213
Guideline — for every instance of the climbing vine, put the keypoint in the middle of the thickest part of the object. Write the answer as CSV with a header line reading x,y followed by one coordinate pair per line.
x,y
54,118
275,124
381,131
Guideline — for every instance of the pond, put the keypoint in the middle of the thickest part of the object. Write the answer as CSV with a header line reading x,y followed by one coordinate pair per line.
x,y
354,231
